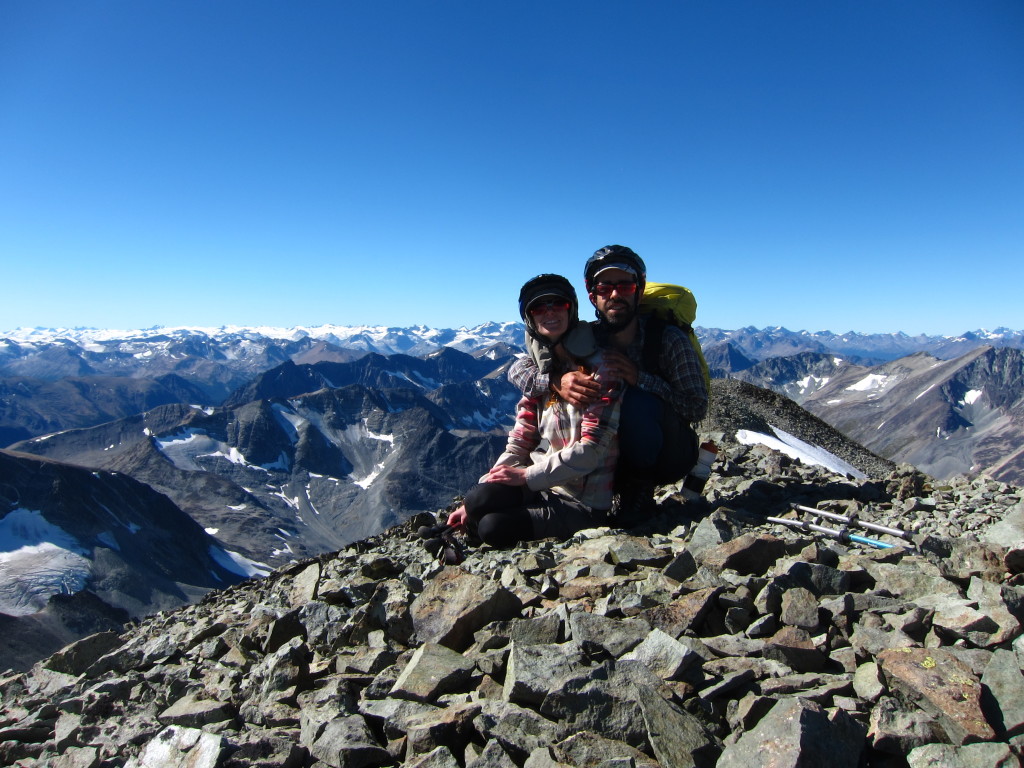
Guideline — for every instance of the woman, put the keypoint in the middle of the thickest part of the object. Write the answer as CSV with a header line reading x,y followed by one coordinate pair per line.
x,y
555,476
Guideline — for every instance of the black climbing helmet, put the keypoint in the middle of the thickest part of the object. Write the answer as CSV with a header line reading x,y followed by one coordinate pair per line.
x,y
617,257
554,286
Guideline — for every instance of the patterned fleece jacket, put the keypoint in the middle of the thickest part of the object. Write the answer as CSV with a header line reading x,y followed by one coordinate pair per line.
x,y
565,450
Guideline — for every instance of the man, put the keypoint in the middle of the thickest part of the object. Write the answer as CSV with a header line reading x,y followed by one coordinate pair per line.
x,y
662,401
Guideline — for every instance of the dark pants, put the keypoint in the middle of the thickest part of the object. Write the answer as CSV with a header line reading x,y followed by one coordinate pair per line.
x,y
504,515
656,447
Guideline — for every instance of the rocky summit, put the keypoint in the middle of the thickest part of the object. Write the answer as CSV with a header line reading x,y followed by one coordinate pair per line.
x,y
706,636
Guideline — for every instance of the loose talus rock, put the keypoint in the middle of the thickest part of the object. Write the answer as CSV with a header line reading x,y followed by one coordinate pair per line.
x,y
706,637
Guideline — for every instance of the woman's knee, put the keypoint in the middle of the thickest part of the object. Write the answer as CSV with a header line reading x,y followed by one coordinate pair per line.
x,y
491,497
503,529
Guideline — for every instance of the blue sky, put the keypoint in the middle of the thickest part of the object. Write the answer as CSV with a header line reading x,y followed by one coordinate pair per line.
x,y
842,165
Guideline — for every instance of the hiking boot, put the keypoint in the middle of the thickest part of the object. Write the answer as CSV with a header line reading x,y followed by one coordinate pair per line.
x,y
453,553
442,542
446,548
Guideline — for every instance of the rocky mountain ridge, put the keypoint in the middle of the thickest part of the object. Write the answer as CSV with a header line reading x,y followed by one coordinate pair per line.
x,y
707,637
277,480
223,358
85,378
763,343
946,417
32,407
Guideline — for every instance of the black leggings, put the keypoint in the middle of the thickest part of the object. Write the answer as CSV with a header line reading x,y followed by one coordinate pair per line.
x,y
499,513
504,515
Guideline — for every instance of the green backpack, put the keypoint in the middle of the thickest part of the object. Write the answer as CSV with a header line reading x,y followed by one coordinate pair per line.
x,y
669,304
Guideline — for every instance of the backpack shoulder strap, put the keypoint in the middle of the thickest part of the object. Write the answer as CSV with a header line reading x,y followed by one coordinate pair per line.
x,y
650,355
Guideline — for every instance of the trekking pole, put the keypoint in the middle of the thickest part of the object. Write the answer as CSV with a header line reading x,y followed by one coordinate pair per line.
x,y
843,535
854,520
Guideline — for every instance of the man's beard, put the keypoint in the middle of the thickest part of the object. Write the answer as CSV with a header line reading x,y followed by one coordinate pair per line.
x,y
614,326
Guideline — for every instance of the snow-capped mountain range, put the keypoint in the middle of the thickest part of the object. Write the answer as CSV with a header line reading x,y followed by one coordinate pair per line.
x,y
381,339
759,343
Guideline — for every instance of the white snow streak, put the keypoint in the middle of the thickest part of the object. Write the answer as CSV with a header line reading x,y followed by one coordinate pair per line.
x,y
796,448
365,482
236,563
869,383
971,397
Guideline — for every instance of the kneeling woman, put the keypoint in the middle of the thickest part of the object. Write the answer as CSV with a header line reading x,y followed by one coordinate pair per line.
x,y
555,476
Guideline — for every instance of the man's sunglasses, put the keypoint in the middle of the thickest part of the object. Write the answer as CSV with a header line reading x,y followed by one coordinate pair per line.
x,y
548,306
625,288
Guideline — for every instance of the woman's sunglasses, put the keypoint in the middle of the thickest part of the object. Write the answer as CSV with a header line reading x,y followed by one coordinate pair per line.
x,y
547,306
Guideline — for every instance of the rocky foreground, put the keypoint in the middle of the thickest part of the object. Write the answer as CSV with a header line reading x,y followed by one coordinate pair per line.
x,y
708,637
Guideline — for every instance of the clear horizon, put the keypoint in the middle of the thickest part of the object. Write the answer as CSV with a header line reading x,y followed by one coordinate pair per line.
x,y
855,165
